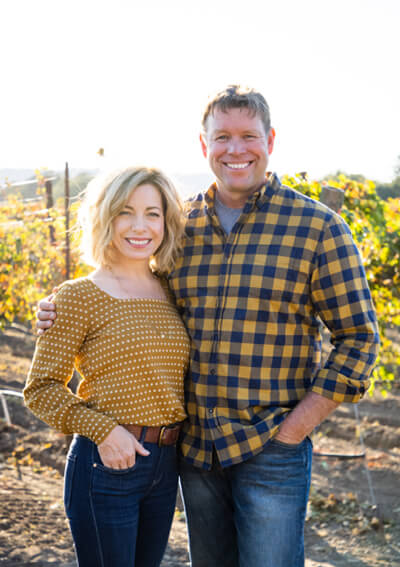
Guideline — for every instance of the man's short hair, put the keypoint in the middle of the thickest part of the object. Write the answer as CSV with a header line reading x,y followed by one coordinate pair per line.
x,y
238,96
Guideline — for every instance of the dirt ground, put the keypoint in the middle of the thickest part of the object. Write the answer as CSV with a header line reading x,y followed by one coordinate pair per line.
x,y
353,518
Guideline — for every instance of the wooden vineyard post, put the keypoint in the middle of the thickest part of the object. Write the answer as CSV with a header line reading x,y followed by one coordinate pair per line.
x,y
67,243
49,206
332,197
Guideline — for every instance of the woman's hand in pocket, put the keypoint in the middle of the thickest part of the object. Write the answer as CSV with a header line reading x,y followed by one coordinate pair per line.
x,y
119,448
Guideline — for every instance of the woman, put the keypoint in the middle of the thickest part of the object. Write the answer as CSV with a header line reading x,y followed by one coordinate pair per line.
x,y
123,334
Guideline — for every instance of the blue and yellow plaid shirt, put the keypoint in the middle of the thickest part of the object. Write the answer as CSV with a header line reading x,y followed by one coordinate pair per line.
x,y
251,301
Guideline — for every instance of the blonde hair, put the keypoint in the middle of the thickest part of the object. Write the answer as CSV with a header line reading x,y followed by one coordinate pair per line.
x,y
106,196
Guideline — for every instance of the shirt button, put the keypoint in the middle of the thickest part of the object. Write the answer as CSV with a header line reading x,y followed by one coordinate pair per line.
x,y
211,411
212,371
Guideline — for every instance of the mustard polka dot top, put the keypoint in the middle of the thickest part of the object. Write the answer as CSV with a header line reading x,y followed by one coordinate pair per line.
x,y
132,355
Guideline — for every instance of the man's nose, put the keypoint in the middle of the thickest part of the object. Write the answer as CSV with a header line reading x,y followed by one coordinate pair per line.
x,y
236,146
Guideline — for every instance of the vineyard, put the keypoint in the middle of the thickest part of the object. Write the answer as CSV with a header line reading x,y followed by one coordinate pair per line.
x,y
33,254
353,519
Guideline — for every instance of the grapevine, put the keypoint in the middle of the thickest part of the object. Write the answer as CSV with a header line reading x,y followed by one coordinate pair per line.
x,y
33,263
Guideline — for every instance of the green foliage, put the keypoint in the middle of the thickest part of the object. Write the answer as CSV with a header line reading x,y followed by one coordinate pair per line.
x,y
389,190
31,266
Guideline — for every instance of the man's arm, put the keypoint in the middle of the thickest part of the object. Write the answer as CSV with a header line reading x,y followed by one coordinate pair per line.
x,y
308,413
341,297
46,314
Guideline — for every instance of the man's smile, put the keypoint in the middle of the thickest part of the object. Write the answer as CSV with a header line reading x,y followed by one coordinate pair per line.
x,y
238,165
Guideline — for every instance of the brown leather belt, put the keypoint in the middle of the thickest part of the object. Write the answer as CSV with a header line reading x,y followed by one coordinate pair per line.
x,y
163,435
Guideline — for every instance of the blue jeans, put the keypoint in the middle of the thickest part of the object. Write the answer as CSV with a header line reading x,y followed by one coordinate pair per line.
x,y
251,514
120,518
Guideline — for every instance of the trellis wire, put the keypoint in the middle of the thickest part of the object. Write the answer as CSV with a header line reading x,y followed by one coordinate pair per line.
x,y
3,394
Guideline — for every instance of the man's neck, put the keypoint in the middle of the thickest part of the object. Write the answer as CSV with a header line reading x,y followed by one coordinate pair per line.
x,y
232,199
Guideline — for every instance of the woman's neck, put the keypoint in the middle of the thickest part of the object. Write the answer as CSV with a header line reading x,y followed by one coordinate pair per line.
x,y
132,271
122,282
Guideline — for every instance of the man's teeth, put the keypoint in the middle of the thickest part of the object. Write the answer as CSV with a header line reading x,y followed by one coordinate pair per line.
x,y
238,165
132,241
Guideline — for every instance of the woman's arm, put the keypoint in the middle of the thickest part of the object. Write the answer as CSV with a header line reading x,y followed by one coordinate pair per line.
x,y
46,392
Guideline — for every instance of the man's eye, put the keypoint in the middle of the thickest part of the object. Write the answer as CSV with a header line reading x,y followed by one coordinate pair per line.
x,y
249,136
221,138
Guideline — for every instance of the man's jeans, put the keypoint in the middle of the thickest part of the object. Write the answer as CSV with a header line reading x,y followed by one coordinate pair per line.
x,y
251,514
120,518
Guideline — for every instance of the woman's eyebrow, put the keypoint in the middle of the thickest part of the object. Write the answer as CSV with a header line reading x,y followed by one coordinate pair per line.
x,y
147,208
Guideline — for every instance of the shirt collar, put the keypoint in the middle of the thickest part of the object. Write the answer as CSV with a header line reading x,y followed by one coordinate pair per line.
x,y
258,198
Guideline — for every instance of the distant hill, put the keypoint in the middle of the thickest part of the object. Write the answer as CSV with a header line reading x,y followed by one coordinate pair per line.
x,y
11,175
16,181
9,178
14,175
189,185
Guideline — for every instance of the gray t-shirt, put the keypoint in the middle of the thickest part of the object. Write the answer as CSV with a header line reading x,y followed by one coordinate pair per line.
x,y
227,216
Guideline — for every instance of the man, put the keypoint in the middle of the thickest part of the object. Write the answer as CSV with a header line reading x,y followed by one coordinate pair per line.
x,y
261,265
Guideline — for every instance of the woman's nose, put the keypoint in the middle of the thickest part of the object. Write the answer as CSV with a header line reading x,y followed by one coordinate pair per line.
x,y
138,223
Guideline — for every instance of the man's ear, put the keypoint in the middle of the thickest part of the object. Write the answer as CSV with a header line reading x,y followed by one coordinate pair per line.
x,y
203,143
271,140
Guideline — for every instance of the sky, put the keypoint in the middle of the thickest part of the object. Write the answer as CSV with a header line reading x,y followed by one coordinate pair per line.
x,y
133,77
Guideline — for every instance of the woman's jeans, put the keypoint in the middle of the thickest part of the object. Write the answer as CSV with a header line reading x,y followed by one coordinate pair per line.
x,y
251,514
120,518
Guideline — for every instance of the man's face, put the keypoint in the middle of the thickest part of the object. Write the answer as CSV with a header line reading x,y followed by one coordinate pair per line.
x,y
237,148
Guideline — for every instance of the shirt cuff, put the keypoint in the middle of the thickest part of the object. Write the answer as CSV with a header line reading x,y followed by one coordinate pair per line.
x,y
91,424
338,388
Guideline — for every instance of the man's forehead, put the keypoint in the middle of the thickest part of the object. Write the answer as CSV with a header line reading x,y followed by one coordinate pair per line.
x,y
221,117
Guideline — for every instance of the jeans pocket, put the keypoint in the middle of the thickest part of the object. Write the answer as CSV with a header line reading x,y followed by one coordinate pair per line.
x,y
108,483
98,465
290,446
69,479
111,471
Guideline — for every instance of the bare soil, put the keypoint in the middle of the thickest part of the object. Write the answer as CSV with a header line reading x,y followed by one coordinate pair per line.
x,y
353,518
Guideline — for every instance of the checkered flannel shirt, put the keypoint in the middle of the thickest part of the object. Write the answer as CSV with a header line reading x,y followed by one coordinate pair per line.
x,y
250,301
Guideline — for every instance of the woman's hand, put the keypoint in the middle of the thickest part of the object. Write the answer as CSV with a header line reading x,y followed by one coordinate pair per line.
x,y
119,448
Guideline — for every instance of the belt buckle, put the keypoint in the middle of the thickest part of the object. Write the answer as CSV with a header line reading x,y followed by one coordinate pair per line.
x,y
161,435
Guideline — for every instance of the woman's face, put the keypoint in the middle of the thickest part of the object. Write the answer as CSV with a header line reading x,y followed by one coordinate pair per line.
x,y
138,230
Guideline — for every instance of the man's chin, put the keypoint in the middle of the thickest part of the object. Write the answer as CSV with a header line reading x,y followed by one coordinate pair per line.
x,y
241,188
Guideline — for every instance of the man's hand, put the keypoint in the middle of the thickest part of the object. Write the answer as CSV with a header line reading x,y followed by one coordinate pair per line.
x,y
300,422
119,448
46,314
